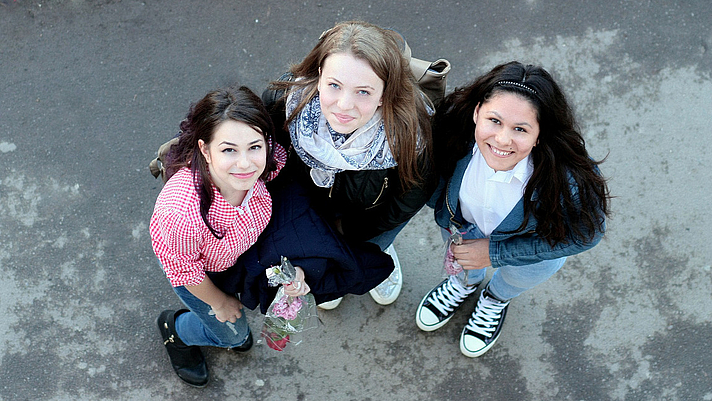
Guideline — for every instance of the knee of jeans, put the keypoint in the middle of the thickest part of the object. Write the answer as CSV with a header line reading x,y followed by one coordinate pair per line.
x,y
238,334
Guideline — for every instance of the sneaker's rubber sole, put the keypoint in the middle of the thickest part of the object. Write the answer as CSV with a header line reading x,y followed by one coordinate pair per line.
x,y
474,354
330,304
419,320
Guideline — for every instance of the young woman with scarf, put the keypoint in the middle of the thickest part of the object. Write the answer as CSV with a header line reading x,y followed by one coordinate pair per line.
x,y
358,130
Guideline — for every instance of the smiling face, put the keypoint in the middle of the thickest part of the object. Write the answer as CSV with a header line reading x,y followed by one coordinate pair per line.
x,y
349,92
236,157
506,130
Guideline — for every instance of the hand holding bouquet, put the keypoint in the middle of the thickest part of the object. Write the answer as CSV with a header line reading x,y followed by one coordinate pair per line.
x,y
450,265
293,310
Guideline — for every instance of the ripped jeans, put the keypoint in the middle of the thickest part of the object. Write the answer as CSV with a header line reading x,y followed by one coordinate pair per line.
x,y
200,327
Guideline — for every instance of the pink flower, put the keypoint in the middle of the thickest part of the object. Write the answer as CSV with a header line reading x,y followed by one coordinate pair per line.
x,y
451,265
286,308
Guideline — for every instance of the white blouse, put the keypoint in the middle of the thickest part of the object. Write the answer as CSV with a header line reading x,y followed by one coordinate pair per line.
x,y
488,196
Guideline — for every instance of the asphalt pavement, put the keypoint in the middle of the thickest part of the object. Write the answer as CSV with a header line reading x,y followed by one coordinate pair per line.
x,y
90,89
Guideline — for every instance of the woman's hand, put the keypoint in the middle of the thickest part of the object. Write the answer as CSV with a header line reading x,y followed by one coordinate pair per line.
x,y
227,308
299,286
229,311
473,254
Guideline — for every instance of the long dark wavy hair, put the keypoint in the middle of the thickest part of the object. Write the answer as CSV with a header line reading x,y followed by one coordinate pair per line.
x,y
405,117
234,103
566,193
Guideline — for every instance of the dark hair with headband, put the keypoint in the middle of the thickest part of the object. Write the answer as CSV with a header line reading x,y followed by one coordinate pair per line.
x,y
560,158
236,104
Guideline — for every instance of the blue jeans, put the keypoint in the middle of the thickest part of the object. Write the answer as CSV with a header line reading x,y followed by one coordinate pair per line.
x,y
384,240
509,281
200,327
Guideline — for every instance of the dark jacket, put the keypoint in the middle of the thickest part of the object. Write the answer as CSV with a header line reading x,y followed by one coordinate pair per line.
x,y
368,202
332,265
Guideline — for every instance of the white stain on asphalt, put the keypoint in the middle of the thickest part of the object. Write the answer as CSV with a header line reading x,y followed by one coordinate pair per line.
x,y
7,147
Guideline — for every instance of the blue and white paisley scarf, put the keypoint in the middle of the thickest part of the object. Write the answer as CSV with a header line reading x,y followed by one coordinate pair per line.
x,y
327,152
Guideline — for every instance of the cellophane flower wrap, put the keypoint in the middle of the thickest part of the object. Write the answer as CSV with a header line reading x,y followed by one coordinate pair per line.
x,y
450,265
287,317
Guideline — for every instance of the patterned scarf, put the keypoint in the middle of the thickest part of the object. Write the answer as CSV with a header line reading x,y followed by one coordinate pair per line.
x,y
328,152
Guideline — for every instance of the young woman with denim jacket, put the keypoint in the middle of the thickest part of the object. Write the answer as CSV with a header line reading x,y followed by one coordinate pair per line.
x,y
518,192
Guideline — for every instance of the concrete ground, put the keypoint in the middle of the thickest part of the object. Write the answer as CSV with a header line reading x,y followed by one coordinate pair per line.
x,y
89,90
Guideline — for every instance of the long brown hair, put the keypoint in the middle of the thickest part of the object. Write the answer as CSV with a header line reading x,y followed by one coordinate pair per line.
x,y
237,104
405,116
566,193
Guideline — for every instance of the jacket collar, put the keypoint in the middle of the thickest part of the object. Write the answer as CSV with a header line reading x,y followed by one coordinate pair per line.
x,y
508,226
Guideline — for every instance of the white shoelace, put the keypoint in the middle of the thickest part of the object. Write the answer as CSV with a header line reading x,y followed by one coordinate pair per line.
x,y
487,313
449,296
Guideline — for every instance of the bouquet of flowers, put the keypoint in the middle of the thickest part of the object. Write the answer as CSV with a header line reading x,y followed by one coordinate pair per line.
x,y
450,265
287,317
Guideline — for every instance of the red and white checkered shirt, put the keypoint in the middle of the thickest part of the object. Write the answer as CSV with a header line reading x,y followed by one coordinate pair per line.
x,y
183,243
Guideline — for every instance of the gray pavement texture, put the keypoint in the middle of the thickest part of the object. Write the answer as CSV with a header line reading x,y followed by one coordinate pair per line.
x,y
89,90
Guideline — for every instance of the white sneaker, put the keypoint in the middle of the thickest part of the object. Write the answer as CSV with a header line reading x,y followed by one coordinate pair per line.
x,y
387,292
330,304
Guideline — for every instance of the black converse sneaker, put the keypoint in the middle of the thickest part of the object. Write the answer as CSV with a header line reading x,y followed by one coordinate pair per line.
x,y
484,326
440,304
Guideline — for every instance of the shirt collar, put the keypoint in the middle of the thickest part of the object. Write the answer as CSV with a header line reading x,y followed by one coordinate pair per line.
x,y
222,212
521,171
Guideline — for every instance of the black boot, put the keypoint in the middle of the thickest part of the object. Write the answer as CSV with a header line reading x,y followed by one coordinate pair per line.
x,y
187,361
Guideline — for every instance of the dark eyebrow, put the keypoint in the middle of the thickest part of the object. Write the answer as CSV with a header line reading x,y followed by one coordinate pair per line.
x,y
500,117
235,145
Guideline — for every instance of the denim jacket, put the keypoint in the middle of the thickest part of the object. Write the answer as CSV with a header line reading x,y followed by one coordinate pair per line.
x,y
508,245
